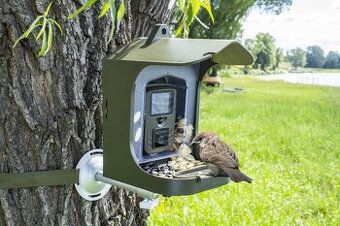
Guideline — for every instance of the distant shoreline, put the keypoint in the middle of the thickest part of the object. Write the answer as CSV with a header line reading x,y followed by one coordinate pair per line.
x,y
311,78
316,70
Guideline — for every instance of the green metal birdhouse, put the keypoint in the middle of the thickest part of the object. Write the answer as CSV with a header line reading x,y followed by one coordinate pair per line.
x,y
149,87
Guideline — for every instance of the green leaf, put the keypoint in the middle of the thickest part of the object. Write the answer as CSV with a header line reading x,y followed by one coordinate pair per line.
x,y
186,31
190,16
190,9
50,38
181,4
196,5
32,27
207,6
47,9
42,30
43,45
121,12
113,16
179,30
56,23
104,10
29,30
87,5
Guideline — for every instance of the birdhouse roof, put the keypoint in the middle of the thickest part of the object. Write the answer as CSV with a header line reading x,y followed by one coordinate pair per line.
x,y
185,51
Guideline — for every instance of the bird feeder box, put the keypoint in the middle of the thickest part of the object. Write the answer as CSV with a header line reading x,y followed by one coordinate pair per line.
x,y
148,87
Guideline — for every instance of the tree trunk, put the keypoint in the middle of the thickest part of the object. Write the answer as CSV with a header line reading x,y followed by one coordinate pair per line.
x,y
50,108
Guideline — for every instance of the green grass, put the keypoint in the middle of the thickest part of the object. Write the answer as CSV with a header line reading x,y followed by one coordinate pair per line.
x,y
287,138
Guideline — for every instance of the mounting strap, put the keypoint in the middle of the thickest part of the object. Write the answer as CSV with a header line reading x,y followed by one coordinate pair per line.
x,y
88,178
40,178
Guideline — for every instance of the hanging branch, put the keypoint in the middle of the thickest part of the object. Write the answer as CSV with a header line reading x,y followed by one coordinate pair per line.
x,y
115,16
46,31
190,9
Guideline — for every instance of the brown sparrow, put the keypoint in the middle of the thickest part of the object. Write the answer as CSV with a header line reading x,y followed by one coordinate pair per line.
x,y
218,156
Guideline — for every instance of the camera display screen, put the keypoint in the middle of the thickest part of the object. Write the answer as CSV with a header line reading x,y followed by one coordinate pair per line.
x,y
161,103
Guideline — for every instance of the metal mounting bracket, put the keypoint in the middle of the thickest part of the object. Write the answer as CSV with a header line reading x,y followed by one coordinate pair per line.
x,y
158,32
93,185
88,187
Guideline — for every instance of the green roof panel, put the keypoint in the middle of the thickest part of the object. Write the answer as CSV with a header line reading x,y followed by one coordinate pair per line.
x,y
186,51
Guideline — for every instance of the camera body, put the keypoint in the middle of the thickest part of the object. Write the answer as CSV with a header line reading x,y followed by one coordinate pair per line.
x,y
160,116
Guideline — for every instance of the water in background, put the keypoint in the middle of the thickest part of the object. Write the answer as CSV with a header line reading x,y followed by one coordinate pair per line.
x,y
321,79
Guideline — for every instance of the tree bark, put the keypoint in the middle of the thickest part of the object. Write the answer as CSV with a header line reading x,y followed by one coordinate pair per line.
x,y
50,108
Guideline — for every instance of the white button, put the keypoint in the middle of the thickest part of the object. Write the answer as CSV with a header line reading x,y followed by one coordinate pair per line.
x,y
138,134
136,116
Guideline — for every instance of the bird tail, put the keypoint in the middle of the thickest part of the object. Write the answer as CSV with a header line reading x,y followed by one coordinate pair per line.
x,y
237,176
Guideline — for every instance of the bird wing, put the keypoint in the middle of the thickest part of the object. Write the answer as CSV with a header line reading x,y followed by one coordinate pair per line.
x,y
220,154
229,152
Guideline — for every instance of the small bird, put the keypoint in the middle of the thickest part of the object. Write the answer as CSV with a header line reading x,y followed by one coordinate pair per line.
x,y
218,156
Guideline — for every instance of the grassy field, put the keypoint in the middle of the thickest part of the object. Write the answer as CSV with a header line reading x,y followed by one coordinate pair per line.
x,y
287,138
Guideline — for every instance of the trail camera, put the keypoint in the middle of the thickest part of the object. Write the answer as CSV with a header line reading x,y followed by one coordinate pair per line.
x,y
151,98
160,114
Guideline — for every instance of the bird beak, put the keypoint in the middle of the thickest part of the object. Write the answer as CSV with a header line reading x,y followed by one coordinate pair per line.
x,y
194,142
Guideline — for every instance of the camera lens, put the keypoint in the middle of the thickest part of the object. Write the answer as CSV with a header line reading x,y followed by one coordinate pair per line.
x,y
161,120
160,140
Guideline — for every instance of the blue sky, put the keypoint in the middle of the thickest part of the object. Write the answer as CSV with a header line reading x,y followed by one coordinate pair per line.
x,y
305,23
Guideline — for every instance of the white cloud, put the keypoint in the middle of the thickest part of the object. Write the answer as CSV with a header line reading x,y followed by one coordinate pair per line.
x,y
307,22
336,6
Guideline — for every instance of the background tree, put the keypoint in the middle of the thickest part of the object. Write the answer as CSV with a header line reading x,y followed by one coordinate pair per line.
x,y
248,43
50,108
229,16
279,57
275,6
315,57
297,57
264,51
332,60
